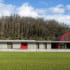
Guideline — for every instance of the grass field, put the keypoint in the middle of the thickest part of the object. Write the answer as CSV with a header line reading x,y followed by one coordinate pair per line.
x,y
34,61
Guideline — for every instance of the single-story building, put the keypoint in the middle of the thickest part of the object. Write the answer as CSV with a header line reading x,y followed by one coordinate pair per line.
x,y
24,44
62,42
32,44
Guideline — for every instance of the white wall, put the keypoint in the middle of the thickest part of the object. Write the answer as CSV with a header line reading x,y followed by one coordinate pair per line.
x,y
16,45
3,45
48,45
32,46
42,46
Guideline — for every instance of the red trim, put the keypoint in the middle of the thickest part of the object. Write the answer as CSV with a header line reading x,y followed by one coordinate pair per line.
x,y
61,39
23,46
64,36
58,46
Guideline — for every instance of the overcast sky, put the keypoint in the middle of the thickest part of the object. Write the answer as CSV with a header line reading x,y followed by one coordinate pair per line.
x,y
47,9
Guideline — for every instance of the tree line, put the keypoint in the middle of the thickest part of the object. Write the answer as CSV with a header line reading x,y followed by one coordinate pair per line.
x,y
27,28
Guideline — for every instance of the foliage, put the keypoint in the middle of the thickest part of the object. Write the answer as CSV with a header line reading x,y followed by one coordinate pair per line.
x,y
16,27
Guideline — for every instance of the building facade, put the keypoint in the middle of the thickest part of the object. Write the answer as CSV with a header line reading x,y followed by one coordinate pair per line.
x,y
62,43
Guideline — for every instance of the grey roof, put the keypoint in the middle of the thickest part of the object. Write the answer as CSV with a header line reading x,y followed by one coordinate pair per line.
x,y
34,41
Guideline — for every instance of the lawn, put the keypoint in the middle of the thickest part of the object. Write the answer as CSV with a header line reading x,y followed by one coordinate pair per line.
x,y
34,61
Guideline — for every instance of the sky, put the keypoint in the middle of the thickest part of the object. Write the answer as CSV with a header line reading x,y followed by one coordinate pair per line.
x,y
58,10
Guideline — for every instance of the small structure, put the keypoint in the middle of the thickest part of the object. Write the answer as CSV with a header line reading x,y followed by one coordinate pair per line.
x,y
65,37
24,44
62,42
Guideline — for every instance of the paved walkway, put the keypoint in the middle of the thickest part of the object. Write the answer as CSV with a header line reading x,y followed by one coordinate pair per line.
x,y
32,50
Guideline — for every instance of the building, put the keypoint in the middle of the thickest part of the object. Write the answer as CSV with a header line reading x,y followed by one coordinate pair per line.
x,y
24,44
62,42
64,37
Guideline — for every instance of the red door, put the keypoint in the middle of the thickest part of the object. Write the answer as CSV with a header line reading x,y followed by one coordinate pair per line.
x,y
23,46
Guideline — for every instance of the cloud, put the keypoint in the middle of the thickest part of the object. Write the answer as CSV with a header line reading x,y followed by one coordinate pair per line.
x,y
59,18
57,9
6,10
1,1
68,7
29,11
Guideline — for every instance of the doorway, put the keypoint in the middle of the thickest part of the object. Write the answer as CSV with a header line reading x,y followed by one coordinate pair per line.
x,y
68,45
54,45
24,45
9,45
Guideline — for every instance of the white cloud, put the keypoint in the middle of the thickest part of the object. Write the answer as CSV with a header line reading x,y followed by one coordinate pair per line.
x,y
60,18
27,10
68,7
1,1
57,9
6,10
60,5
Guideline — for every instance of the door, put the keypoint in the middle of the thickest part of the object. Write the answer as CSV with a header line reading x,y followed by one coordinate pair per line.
x,y
24,46
9,45
54,45
68,45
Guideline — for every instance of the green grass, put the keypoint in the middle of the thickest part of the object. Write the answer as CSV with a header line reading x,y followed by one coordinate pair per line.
x,y
34,61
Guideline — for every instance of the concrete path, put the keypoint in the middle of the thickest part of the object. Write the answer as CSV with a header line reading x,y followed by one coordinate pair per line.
x,y
32,50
